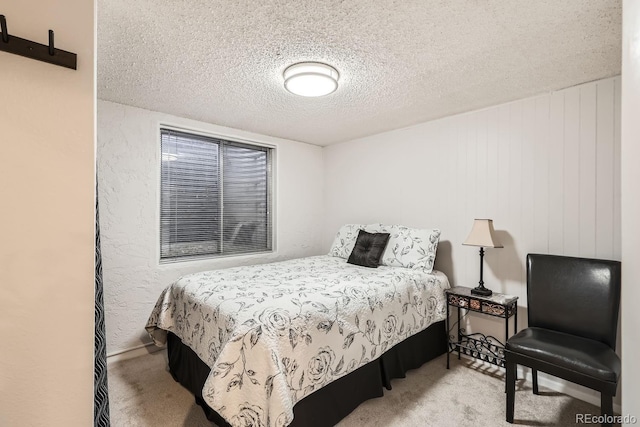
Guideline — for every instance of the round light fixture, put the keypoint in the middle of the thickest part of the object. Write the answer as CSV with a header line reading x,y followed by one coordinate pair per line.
x,y
311,79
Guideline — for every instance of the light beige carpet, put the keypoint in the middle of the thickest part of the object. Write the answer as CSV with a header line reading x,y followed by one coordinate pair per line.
x,y
142,393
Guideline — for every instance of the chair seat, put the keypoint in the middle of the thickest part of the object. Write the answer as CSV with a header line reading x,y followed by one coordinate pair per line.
x,y
582,355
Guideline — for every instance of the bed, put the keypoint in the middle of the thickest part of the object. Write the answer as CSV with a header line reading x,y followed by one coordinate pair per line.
x,y
304,341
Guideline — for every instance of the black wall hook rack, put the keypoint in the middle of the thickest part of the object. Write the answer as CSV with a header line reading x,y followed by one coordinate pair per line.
x,y
37,51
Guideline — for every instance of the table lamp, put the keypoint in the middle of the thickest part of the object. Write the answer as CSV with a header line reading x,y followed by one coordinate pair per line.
x,y
482,234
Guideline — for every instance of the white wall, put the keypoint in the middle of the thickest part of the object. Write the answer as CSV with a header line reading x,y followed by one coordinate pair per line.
x,y
47,140
545,169
128,173
630,207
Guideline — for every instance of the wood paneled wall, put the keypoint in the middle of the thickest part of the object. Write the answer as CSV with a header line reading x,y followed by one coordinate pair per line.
x,y
545,169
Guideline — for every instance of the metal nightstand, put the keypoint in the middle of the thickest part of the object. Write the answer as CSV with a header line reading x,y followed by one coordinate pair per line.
x,y
478,345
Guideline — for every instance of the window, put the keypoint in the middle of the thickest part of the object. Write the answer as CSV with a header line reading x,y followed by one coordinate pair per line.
x,y
215,196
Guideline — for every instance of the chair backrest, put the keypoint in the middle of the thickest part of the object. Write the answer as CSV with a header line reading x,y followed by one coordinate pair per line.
x,y
578,296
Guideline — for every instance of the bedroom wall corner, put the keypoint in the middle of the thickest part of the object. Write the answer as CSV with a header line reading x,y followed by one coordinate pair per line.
x,y
630,207
47,220
128,173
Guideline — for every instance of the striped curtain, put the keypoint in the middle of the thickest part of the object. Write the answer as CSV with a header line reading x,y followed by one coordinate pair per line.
x,y
100,388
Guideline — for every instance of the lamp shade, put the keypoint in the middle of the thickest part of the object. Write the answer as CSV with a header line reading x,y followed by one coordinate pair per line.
x,y
482,234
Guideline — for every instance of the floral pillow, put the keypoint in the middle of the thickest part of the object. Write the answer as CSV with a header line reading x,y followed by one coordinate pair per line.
x,y
407,247
345,240
377,228
411,247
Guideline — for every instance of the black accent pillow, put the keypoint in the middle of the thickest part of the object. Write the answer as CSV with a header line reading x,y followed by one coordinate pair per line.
x,y
368,249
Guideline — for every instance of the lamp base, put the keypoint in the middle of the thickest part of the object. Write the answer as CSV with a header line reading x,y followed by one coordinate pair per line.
x,y
482,291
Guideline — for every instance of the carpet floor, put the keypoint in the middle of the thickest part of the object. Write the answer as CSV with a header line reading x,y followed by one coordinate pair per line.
x,y
142,393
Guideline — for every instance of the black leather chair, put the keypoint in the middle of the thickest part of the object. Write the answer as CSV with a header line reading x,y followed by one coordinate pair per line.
x,y
572,306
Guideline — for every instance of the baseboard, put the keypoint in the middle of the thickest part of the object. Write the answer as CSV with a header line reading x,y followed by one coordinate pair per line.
x,y
133,352
553,383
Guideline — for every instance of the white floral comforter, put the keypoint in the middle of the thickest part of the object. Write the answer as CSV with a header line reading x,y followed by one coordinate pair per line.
x,y
274,333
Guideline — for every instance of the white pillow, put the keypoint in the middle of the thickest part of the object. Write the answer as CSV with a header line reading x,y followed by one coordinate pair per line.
x,y
411,247
345,240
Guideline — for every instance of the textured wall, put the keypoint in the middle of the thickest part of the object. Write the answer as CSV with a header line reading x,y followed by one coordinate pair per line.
x,y
546,169
128,170
47,138
630,207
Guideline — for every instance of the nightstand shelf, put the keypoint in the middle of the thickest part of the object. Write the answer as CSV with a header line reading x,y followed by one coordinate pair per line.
x,y
478,345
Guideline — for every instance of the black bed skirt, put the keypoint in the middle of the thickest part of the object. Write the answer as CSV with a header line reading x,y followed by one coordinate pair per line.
x,y
336,400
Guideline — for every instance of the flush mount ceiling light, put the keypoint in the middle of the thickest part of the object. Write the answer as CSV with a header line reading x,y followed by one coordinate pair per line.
x,y
311,79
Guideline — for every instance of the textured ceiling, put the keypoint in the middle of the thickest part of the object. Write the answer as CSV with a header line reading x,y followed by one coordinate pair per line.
x,y
400,62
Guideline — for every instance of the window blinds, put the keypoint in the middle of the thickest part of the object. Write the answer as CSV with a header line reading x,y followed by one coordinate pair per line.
x,y
215,196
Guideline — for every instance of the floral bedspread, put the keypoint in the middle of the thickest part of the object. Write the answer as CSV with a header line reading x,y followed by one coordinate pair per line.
x,y
274,333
